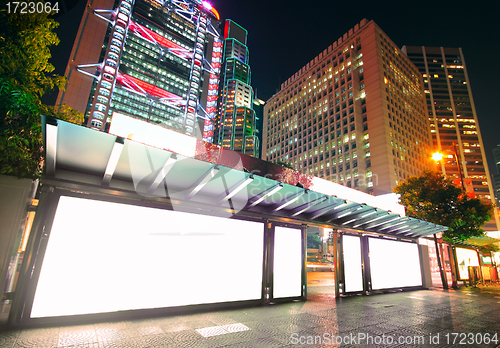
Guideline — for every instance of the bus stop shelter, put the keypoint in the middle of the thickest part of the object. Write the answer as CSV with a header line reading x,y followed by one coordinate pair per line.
x,y
135,226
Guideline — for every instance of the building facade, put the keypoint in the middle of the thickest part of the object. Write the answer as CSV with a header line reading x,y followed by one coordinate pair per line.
x,y
453,119
496,156
157,61
355,115
496,184
236,124
258,107
496,176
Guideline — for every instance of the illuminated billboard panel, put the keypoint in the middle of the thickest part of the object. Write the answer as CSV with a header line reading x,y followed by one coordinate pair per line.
x,y
466,258
147,133
394,264
352,263
105,257
288,264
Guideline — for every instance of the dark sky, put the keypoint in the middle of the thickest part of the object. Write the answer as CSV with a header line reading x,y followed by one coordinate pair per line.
x,y
283,36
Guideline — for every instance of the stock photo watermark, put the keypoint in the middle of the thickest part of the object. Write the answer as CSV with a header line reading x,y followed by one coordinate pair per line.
x,y
364,338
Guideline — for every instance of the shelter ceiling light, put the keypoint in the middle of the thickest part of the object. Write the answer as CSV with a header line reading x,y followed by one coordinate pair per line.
x,y
348,222
206,178
362,222
270,193
323,211
392,226
113,160
238,188
294,199
167,166
51,146
309,205
385,222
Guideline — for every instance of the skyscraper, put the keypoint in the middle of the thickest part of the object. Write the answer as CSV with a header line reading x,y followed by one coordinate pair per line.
x,y
157,61
236,127
496,156
452,118
354,115
496,176
258,107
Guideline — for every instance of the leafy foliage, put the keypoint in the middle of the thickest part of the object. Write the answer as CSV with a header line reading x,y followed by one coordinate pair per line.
x,y
25,75
313,241
25,53
434,198
486,249
20,137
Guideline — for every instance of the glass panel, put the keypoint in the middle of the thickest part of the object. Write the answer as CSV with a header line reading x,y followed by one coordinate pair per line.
x,y
394,264
352,263
287,281
466,258
320,262
126,257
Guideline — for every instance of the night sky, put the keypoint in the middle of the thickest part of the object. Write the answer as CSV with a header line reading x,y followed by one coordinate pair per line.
x,y
283,36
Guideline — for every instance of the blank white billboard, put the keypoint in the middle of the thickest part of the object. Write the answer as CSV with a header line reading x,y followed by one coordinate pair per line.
x,y
288,262
105,257
353,270
466,258
394,264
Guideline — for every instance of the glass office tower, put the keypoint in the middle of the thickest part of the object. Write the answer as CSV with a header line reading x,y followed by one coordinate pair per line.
x,y
355,115
159,63
236,123
453,120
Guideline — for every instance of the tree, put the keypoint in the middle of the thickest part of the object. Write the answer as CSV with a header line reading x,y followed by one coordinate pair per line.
x,y
434,198
21,133
25,53
313,241
26,75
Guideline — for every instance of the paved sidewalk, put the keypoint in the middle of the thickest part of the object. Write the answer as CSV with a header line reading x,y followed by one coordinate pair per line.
x,y
426,318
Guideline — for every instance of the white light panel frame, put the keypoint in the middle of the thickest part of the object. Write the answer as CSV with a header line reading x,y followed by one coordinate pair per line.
x,y
394,264
133,257
288,262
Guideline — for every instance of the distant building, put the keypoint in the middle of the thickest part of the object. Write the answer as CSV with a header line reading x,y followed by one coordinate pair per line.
x,y
258,107
236,127
496,156
496,177
496,184
355,114
453,119
156,61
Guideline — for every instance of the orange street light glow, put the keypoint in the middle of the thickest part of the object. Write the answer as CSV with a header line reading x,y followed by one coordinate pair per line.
x,y
437,156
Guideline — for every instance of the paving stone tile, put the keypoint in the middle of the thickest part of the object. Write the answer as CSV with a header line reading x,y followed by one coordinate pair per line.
x,y
77,336
38,338
408,314
7,339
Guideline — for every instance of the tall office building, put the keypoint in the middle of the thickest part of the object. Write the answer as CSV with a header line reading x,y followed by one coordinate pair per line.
x,y
154,60
355,114
452,118
496,156
236,121
496,176
258,107
496,184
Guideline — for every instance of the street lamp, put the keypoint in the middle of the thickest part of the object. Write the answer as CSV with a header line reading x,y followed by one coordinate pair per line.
x,y
437,156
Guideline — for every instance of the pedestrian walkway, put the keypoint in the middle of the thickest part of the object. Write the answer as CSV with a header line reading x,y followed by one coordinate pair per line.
x,y
425,318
